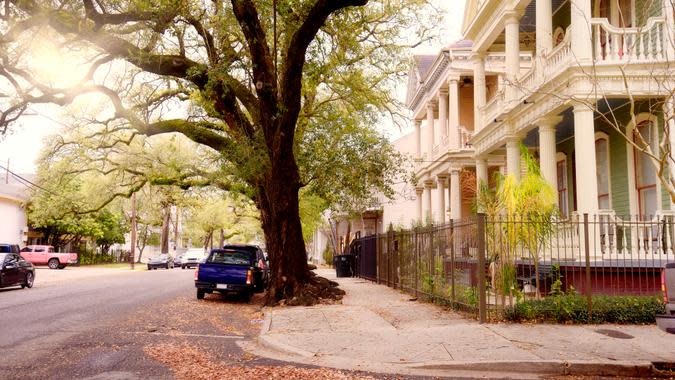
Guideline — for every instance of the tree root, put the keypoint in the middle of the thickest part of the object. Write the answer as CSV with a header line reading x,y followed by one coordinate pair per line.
x,y
317,290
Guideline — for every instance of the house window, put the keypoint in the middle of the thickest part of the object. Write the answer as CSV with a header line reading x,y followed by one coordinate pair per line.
x,y
645,175
602,170
562,187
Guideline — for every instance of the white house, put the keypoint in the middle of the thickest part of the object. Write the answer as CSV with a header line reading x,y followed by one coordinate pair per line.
x,y
13,222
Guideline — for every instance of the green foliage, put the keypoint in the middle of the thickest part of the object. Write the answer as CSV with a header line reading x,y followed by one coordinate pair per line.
x,y
556,278
328,256
112,229
524,210
572,308
311,213
91,257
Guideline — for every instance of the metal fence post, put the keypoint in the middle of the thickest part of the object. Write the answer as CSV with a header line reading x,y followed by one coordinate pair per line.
x,y
415,269
482,306
452,262
588,268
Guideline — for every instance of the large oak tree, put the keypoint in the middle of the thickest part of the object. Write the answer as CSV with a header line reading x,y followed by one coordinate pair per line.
x,y
228,75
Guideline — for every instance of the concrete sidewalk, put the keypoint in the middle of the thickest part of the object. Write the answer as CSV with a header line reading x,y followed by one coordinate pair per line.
x,y
379,329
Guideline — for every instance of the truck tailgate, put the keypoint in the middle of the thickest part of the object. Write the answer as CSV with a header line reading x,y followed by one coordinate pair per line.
x,y
223,273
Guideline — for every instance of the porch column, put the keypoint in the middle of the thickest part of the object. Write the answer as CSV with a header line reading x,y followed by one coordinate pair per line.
x,y
512,42
428,185
419,191
418,138
584,157
669,43
513,157
544,27
669,117
430,132
547,151
455,194
582,45
443,113
479,94
481,175
453,122
440,184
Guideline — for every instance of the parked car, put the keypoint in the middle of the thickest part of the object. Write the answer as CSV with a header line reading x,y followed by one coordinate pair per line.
x,y
45,255
9,248
178,261
163,260
261,260
666,322
231,270
15,271
192,258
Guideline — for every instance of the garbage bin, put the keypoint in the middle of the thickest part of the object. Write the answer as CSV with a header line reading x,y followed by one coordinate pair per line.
x,y
343,265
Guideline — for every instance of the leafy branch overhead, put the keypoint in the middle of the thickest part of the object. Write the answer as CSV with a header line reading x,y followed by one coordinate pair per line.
x,y
260,100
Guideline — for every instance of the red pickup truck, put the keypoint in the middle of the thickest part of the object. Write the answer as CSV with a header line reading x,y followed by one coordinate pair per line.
x,y
44,254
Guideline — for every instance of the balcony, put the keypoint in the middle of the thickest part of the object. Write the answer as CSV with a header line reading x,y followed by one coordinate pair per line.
x,y
629,45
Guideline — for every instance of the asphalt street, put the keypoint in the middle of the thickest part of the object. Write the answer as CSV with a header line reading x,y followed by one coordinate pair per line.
x,y
36,322
87,323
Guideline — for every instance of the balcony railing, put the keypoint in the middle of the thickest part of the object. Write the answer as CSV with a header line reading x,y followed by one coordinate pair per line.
x,y
465,136
641,44
493,108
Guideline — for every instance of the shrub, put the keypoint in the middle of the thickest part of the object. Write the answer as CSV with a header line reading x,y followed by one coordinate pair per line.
x,y
328,256
573,308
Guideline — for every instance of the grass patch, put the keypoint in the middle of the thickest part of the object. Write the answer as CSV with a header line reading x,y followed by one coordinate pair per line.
x,y
573,308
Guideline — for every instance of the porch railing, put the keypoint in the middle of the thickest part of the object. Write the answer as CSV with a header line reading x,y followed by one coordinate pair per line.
x,y
638,44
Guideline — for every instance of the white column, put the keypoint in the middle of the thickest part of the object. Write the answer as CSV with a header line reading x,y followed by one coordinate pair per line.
x,y
547,151
481,175
418,138
669,117
428,215
512,42
669,44
582,45
584,156
443,113
453,119
419,191
513,157
430,130
440,185
544,27
479,92
455,194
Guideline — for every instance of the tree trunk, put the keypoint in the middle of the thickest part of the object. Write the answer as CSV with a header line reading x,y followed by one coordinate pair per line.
x,y
280,216
222,238
166,222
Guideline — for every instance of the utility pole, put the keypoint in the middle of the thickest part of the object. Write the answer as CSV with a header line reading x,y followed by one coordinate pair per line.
x,y
133,230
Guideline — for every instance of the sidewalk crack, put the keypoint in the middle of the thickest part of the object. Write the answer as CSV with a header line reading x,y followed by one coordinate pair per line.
x,y
520,344
446,350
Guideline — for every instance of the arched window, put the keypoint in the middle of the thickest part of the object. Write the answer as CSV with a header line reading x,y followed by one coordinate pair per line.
x,y
558,36
602,169
645,174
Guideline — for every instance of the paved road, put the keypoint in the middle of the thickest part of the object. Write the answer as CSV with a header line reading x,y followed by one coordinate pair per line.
x,y
36,321
117,324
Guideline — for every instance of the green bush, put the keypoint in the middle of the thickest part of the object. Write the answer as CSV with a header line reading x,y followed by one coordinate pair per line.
x,y
573,308
91,257
328,256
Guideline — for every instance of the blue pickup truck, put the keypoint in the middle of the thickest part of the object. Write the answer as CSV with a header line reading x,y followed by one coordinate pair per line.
x,y
239,269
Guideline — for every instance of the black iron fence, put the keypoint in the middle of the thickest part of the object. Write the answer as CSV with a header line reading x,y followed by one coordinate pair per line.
x,y
484,265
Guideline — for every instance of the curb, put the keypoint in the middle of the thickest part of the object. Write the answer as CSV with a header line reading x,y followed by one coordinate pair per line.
x,y
265,339
550,367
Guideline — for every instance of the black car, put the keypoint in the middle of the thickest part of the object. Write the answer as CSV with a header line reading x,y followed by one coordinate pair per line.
x,y
16,271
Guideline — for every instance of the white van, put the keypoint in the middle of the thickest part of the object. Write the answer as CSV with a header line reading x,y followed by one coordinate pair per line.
x,y
192,258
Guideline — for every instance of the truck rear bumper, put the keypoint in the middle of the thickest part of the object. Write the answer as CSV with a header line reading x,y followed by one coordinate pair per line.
x,y
223,288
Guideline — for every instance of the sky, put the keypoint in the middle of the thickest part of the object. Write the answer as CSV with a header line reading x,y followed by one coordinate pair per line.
x,y
22,145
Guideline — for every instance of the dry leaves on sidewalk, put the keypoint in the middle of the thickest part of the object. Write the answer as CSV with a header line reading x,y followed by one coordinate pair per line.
x,y
195,364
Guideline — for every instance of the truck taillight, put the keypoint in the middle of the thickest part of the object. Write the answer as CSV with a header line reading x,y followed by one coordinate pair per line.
x,y
663,286
197,273
249,277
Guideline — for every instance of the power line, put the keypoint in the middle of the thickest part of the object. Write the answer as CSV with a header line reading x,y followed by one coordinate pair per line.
x,y
25,181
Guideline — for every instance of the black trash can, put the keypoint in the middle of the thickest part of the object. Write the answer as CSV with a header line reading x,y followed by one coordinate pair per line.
x,y
343,265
